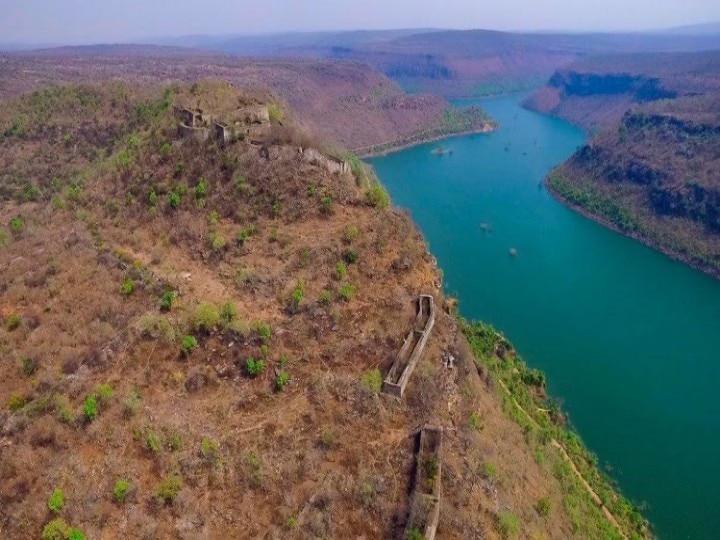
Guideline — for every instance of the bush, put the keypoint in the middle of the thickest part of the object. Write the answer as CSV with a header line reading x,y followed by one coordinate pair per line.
x,y
297,295
153,198
347,292
326,205
475,421
166,300
57,529
263,332
340,270
188,344
228,313
174,200
282,379
372,380
209,449
415,534
325,297
13,322
206,317
351,234
275,113
350,256
131,404
543,506
152,441
56,501
254,367
17,224
509,525
28,365
377,196
128,287
90,408
103,393
169,489
76,534
122,490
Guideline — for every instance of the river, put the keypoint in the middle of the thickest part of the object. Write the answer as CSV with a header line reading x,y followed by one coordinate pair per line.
x,y
629,340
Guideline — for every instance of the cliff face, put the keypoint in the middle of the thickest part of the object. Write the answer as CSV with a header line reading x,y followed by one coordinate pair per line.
x,y
660,165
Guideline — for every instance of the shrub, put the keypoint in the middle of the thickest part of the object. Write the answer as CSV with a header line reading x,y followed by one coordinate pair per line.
x,y
3,237
188,344
16,402
325,297
206,317
340,270
201,189
175,442
57,529
152,441
128,287
350,256
489,470
509,525
131,404
377,196
13,322
297,295
326,205
351,234
254,367
475,421
17,224
347,291
209,449
263,332
122,490
372,380
228,313
153,198
28,365
169,489
543,506
312,189
415,534
166,300
282,379
165,149
103,393
56,501
63,410
276,209
76,534
240,183
217,242
275,113
174,200
90,408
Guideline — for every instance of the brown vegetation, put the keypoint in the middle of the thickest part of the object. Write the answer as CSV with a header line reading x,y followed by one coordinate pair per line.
x,y
181,355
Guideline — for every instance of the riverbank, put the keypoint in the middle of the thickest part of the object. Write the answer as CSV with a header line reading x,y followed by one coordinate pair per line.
x,y
405,143
639,235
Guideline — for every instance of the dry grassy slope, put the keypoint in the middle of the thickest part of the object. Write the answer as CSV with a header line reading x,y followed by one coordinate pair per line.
x,y
325,457
345,103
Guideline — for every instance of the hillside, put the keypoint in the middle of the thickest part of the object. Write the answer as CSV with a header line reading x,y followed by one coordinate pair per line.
x,y
650,170
345,104
198,309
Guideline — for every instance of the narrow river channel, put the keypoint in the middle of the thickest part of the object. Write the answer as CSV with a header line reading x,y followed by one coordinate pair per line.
x,y
629,340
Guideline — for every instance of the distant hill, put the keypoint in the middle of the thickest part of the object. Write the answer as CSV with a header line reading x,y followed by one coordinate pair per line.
x,y
695,29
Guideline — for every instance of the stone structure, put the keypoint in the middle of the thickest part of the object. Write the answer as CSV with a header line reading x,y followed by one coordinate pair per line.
x,y
332,164
191,124
222,133
412,348
425,499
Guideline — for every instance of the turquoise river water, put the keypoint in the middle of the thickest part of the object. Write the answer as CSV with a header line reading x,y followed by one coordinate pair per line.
x,y
629,340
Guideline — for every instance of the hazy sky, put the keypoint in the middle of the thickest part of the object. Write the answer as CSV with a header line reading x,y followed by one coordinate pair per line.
x,y
82,21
